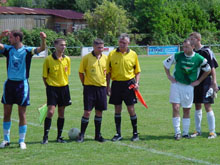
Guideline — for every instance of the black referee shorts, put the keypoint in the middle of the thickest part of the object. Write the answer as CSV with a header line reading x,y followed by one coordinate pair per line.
x,y
58,96
120,92
94,96
201,90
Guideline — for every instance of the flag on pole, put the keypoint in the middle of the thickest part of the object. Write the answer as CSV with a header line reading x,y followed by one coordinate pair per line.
x,y
43,113
138,95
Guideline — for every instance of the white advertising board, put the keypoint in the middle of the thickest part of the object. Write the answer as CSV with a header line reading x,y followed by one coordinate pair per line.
x,y
87,50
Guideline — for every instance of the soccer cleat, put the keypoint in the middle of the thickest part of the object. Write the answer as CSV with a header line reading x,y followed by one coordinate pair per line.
x,y
117,137
61,140
186,136
212,135
23,146
195,134
177,137
100,139
4,144
135,137
80,138
45,140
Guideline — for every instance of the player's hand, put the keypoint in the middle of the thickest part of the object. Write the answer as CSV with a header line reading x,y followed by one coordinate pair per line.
x,y
215,86
195,83
136,86
43,35
5,33
108,91
172,79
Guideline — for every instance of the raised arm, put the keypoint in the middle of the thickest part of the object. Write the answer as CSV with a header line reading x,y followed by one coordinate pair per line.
x,y
42,47
3,34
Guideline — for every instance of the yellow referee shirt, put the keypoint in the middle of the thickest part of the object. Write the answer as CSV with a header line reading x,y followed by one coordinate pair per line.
x,y
56,71
122,66
94,69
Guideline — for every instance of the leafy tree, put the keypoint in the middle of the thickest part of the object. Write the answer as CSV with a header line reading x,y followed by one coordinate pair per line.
x,y
20,3
151,19
62,4
108,20
85,5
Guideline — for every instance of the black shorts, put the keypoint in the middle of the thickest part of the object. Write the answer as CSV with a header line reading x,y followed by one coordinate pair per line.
x,y
16,92
94,96
120,92
58,96
201,90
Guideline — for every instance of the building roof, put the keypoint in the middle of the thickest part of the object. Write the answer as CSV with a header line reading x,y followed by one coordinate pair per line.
x,y
68,14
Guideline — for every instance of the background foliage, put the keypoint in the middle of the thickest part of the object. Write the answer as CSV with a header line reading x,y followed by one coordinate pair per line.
x,y
148,21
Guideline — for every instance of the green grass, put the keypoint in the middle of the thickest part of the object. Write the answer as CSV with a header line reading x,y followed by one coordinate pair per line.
x,y
156,146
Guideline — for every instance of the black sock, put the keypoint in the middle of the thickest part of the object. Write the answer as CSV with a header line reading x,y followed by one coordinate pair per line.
x,y
60,124
47,124
118,123
84,124
134,123
98,122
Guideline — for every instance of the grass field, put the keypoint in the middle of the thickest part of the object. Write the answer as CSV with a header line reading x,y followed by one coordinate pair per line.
x,y
157,145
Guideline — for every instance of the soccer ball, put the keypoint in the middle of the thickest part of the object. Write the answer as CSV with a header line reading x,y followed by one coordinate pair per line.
x,y
73,133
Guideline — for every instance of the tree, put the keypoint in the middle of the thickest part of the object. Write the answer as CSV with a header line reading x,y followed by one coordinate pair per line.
x,y
108,20
61,4
85,5
151,19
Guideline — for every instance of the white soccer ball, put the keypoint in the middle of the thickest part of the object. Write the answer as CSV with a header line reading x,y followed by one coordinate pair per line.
x,y
73,133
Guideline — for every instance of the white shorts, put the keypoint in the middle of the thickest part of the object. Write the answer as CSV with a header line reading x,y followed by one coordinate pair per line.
x,y
181,94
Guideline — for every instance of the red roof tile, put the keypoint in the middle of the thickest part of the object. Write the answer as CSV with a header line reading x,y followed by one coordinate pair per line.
x,y
68,14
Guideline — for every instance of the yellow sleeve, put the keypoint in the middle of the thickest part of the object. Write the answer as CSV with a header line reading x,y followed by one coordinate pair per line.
x,y
108,64
82,65
69,66
137,65
45,68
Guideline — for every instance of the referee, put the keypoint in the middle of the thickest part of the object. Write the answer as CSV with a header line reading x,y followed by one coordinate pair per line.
x,y
56,69
124,69
92,73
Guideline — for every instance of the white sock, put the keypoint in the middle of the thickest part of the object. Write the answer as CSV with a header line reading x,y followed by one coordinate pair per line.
x,y
176,125
186,124
198,120
211,121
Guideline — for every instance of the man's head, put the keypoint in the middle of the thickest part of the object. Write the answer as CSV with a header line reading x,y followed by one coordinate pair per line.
x,y
188,47
195,38
124,41
98,46
60,45
15,37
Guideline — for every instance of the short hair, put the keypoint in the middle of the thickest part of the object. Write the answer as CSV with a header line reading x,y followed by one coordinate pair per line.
x,y
188,41
98,41
58,40
124,36
17,33
196,35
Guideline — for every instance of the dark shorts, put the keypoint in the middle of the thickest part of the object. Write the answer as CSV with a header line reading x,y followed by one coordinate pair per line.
x,y
201,90
16,92
94,96
120,92
58,96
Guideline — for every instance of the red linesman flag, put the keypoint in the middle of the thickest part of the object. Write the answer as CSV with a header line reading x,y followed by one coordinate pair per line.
x,y
138,95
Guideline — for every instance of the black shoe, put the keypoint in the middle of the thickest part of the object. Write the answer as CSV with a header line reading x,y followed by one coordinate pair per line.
x,y
117,137
177,137
135,137
186,136
80,138
45,140
60,140
100,139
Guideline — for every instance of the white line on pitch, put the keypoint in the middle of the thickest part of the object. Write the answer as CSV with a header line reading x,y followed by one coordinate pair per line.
x,y
139,147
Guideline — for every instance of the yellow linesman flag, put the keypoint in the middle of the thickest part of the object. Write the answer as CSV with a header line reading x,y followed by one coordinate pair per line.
x,y
43,113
